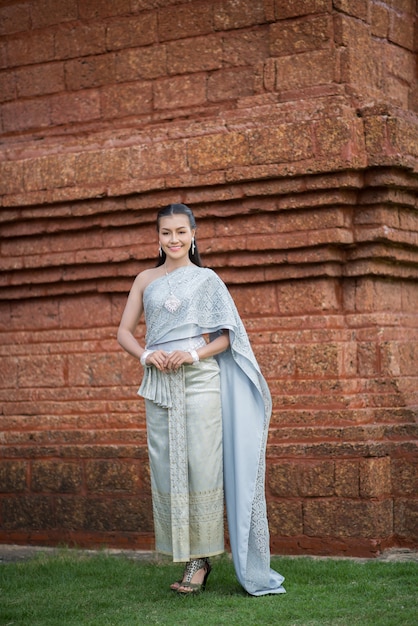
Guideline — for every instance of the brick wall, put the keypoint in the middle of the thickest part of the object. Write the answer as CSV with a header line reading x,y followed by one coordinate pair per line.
x,y
291,130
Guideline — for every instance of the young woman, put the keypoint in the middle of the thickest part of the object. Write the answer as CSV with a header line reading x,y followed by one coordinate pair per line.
x,y
208,408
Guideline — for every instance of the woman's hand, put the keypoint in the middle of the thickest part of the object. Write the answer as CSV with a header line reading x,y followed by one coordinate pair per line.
x,y
157,358
176,359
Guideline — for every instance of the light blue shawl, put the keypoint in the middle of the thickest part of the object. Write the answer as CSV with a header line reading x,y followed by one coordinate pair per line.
x,y
207,307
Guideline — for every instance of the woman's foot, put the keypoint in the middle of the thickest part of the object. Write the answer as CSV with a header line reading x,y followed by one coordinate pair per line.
x,y
176,585
195,577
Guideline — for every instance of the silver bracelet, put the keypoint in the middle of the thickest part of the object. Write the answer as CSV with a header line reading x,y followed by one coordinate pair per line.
x,y
194,356
144,356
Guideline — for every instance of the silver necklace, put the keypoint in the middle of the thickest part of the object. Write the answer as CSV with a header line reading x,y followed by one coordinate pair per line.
x,y
172,303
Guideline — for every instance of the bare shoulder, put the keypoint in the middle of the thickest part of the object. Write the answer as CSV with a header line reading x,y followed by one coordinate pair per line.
x,y
146,277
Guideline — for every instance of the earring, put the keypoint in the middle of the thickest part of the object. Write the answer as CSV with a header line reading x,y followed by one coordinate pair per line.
x,y
160,251
193,245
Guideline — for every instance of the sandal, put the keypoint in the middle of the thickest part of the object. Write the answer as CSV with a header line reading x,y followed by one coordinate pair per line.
x,y
186,587
174,586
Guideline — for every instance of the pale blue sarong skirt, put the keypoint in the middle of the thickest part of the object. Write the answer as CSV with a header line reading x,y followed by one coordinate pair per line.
x,y
185,453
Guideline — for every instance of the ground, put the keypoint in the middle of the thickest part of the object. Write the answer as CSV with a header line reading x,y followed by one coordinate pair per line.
x,y
13,553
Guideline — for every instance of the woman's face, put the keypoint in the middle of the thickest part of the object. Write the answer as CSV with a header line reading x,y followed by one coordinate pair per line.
x,y
175,235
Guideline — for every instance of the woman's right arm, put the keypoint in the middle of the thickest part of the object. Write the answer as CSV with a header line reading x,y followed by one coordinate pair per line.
x,y
130,318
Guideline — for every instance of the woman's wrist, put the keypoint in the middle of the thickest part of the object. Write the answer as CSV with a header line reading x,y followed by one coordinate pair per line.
x,y
194,356
144,356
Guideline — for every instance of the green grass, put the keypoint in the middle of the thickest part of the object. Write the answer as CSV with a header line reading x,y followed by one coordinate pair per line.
x,y
71,588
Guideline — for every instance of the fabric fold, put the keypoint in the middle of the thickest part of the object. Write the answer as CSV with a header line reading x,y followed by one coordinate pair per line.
x,y
155,386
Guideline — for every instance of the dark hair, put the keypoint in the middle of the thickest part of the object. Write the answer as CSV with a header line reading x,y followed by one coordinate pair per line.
x,y
179,209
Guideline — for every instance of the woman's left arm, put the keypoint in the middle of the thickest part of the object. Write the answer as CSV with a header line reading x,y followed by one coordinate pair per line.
x,y
218,345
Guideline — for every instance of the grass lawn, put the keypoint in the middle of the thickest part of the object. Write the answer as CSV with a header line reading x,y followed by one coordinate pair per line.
x,y
72,588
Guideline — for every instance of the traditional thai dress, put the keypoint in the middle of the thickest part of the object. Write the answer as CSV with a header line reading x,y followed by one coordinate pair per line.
x,y
207,427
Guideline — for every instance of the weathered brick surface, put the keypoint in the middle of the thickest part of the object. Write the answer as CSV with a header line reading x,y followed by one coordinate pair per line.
x,y
56,477
290,127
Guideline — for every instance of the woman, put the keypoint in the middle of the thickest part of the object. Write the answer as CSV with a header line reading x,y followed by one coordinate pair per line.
x,y
208,408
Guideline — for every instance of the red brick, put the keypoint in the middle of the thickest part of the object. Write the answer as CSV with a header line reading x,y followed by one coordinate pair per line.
x,y
56,476
397,91
288,8
403,6
185,20
194,55
107,476
246,47
408,358
281,478
25,115
376,295
348,518
131,32
406,519
28,315
90,9
238,14
317,360
4,62
13,476
218,151
9,372
7,86
126,99
308,296
103,166
283,143
404,474
98,370
180,91
379,20
70,512
75,107
285,518
27,512
87,311
15,18
231,83
251,299
126,515
357,8
305,69
347,474
39,80
402,135
158,159
375,477
145,63
316,478
90,72
276,360
367,359
49,172
47,12
31,48
289,37
269,10
309,478
336,137
80,39
364,518
42,371
401,31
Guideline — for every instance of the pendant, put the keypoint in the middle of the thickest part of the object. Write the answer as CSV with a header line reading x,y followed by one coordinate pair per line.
x,y
172,303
